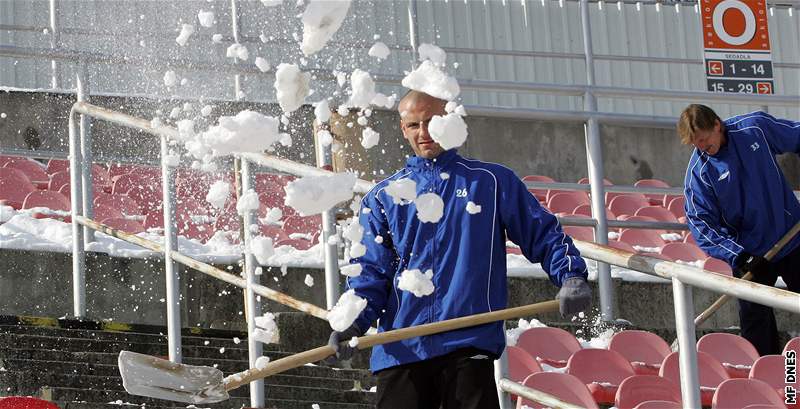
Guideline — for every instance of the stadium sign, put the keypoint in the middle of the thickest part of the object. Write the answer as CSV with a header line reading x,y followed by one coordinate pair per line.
x,y
736,41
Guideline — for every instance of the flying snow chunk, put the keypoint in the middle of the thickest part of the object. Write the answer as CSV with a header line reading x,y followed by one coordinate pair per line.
x,y
415,282
170,79
353,231
431,52
262,362
382,100
206,18
325,138
273,215
262,249
351,270
248,202
322,111
271,3
449,131
363,89
218,194
346,310
379,50
309,281
321,20
248,131
430,79
186,31
185,129
266,329
403,189
316,194
217,38
237,50
262,64
206,110
369,138
291,86
472,208
430,207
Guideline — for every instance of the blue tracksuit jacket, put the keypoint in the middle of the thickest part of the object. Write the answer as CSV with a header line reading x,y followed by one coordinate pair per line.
x,y
467,253
738,200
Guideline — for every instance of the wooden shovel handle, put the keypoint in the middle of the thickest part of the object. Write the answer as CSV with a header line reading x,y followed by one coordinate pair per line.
x,y
317,354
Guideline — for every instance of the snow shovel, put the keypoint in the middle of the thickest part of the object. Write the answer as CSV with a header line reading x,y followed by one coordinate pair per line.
x,y
153,377
723,299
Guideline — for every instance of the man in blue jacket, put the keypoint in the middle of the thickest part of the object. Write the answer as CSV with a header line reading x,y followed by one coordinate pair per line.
x,y
483,205
738,203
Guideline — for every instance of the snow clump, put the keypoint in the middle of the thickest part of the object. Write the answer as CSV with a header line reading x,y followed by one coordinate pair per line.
x,y
322,111
430,79
262,64
316,194
346,310
430,207
237,50
262,362
321,19
403,189
379,50
291,86
416,282
248,202
262,249
433,53
369,138
206,18
218,194
472,208
248,131
170,79
266,329
186,31
449,131
351,270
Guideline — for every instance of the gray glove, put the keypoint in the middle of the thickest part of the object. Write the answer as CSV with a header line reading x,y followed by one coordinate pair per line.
x,y
574,296
339,342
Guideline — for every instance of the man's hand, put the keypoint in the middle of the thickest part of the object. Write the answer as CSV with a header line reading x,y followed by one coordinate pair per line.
x,y
343,351
574,296
749,262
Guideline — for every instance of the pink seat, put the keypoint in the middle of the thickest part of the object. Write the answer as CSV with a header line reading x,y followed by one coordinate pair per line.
x,y
299,244
766,406
521,364
602,371
566,201
740,393
58,179
689,238
585,181
580,233
683,252
563,386
772,370
642,238
792,345
549,345
269,183
676,206
658,404
735,353
641,388
656,199
16,174
105,212
46,198
6,159
644,350
33,170
121,202
25,402
540,194
14,191
621,245
657,212
627,204
717,266
128,226
302,224
273,232
65,191
586,210
57,165
146,171
710,372
149,198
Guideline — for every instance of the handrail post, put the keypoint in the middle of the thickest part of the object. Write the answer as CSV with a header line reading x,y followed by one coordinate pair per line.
x,y
54,42
501,372
684,325
330,247
171,267
237,80
76,209
253,309
594,156
85,169
413,33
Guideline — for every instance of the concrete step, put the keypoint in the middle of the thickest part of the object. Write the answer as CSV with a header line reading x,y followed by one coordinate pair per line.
x,y
122,336
270,404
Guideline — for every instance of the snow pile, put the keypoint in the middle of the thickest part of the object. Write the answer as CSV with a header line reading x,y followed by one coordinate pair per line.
x,y
248,202
416,282
403,189
321,19
512,335
170,79
237,50
316,194
346,310
186,31
291,86
262,64
449,131
262,362
218,194
369,138
472,208
430,207
379,50
351,270
431,52
6,213
206,18
266,329
671,237
262,249
248,131
430,79
601,341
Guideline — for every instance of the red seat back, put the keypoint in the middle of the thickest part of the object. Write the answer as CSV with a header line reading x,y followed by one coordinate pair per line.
x,y
58,179
14,191
654,198
739,393
128,226
641,346
540,194
118,201
710,372
658,404
792,345
563,386
641,388
32,169
717,266
46,198
657,212
549,345
770,369
599,365
580,233
683,251
521,364
676,206
643,238
25,402
734,352
566,202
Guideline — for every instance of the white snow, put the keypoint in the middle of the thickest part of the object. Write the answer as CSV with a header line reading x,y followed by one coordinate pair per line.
x,y
444,175
185,129
218,194
236,340
363,91
273,215
430,79
6,213
170,79
671,237
321,19
431,52
309,281
379,50
186,31
322,111
369,138
206,18
291,86
247,202
206,110
430,207
353,231
512,335
248,131
346,310
402,189
384,101
325,138
353,342
449,131
237,50
316,194
266,329
645,249
262,64
271,3
262,362
285,140
416,282
262,249
217,38
472,208
351,270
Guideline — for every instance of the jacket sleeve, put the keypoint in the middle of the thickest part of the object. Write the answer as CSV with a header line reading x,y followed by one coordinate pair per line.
x,y
782,135
704,218
378,264
538,233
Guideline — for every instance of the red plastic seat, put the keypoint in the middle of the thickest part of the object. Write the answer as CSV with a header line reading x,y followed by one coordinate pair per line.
x,y
563,386
57,180
644,350
676,206
710,372
602,371
549,345
7,158
121,202
46,198
128,226
105,212
658,404
567,201
65,191
641,388
586,210
627,204
792,345
735,353
274,232
302,224
621,245
269,183
740,393
521,364
146,171
717,266
683,252
57,165
16,174
298,244
149,198
772,370
33,170
585,181
580,233
656,199
540,194
689,238
25,402
642,238
657,212
14,191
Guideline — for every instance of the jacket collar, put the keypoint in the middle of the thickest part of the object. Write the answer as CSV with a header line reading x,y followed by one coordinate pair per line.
x,y
439,162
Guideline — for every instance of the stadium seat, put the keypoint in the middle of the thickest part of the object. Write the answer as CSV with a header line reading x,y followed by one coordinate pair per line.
x,y
540,194
105,212
128,226
792,345
563,386
772,370
641,388
710,372
273,232
521,364
25,402
642,238
148,198
46,198
298,244
302,224
656,199
689,238
586,210
268,183
657,212
740,393
585,181
14,191
683,252
6,159
16,174
735,353
580,233
65,191
57,165
566,202
274,199
549,345
627,204
57,180
766,406
33,170
620,245
644,350
717,266
658,404
676,206
121,202
602,371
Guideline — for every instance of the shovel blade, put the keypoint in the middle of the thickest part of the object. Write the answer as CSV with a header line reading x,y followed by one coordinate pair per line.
x,y
146,375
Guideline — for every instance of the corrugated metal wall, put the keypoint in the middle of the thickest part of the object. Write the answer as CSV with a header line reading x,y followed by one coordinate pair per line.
x,y
145,31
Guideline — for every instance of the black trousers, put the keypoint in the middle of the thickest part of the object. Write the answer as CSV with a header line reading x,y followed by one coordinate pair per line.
x,y
758,321
458,380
